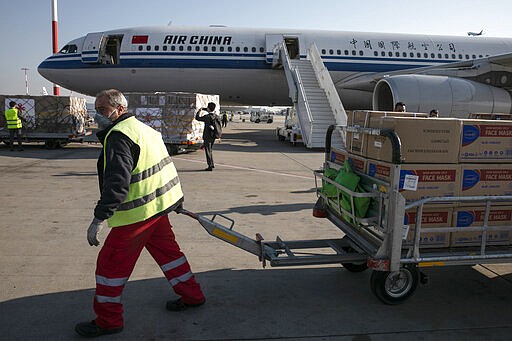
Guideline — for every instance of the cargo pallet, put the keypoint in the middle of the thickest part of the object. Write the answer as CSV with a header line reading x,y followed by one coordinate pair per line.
x,y
376,241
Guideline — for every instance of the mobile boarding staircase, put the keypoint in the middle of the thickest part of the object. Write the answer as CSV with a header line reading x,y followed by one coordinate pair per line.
x,y
315,99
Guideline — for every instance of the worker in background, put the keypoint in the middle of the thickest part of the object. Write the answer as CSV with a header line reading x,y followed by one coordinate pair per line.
x,y
14,125
400,107
224,120
434,113
208,132
139,186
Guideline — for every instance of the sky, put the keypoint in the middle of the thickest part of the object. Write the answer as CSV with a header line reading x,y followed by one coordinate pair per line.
x,y
26,26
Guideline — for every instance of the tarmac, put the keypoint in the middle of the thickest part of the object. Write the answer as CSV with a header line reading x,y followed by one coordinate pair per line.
x,y
47,267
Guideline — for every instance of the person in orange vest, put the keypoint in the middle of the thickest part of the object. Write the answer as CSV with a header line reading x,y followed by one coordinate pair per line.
x,y
139,187
13,124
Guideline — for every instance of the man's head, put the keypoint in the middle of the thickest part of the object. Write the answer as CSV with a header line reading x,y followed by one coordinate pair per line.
x,y
111,104
433,113
400,107
12,104
211,107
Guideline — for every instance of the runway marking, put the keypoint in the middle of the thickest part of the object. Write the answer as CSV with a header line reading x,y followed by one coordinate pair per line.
x,y
251,169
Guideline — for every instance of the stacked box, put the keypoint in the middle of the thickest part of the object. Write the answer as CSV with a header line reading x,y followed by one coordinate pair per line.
x,y
339,156
172,114
423,140
474,217
418,181
48,114
486,179
431,218
356,143
486,141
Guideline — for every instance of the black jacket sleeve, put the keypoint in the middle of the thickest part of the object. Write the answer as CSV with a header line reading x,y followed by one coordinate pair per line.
x,y
121,158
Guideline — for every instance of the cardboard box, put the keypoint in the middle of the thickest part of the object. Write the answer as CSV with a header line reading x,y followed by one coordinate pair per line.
x,y
423,140
356,142
486,179
357,163
486,141
420,180
474,217
431,217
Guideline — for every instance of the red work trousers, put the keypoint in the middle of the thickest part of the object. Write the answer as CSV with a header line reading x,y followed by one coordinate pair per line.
x,y
117,259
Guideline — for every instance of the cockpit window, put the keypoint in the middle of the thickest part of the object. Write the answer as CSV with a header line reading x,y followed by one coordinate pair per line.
x,y
71,48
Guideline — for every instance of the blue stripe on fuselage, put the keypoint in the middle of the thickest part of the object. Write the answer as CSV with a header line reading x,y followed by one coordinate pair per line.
x,y
242,61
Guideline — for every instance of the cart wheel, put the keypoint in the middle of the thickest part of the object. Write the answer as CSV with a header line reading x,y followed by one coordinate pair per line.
x,y
395,287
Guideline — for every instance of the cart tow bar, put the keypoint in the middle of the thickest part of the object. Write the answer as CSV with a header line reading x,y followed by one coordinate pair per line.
x,y
228,234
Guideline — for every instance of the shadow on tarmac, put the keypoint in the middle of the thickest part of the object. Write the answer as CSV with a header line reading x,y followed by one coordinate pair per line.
x,y
307,303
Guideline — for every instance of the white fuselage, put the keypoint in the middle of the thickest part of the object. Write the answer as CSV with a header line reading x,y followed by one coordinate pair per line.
x,y
236,63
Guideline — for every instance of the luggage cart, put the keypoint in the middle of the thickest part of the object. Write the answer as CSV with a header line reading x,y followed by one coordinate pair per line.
x,y
375,241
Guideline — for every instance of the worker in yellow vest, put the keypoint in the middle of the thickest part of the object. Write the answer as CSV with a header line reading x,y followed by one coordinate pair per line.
x,y
13,124
139,187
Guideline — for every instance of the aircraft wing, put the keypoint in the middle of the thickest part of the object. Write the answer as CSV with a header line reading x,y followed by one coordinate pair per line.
x,y
494,70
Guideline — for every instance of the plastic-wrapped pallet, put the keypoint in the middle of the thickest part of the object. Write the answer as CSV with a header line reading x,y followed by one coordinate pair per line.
x,y
172,114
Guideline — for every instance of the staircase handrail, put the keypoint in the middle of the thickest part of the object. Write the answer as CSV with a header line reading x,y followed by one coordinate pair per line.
x,y
325,81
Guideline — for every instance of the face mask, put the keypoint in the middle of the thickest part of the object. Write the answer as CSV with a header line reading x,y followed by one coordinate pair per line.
x,y
102,121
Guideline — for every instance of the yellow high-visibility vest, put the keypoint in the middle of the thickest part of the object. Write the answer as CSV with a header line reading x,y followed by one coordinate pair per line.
x,y
154,184
13,121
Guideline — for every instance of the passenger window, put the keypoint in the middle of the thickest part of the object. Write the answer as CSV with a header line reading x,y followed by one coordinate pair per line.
x,y
432,55
181,48
460,56
354,52
425,55
253,49
474,57
323,51
237,49
189,48
331,51
214,48
375,53
439,56
411,55
157,47
446,56
418,55
404,54
140,48
173,48
221,49
164,48
346,52
230,48
397,54
205,48
390,54
148,48
262,49
467,56
198,48
383,54
361,53
338,52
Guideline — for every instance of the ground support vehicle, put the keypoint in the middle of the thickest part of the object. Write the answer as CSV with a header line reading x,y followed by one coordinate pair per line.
x,y
375,241
54,120
291,131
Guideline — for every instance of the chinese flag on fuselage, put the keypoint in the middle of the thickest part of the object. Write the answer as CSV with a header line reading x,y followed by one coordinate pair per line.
x,y
139,39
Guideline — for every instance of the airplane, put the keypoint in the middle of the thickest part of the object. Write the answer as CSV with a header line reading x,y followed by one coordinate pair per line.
x,y
474,34
370,70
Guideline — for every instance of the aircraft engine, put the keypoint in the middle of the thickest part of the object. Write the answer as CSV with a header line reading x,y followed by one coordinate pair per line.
x,y
453,97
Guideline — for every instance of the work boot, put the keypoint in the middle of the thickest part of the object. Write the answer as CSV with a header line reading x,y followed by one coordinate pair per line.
x,y
179,305
90,329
